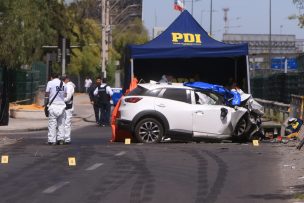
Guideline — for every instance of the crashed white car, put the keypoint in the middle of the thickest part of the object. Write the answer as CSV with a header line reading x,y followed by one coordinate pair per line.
x,y
155,111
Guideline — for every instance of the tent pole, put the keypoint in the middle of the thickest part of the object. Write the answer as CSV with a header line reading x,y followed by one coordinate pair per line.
x,y
248,74
132,69
235,69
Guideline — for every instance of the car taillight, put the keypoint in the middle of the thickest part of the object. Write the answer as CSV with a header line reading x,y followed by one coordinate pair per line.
x,y
133,99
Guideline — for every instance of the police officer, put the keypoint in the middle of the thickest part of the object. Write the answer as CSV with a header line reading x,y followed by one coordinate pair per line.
x,y
56,109
94,99
70,88
104,94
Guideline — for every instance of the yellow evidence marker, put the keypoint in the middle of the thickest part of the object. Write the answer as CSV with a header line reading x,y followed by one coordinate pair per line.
x,y
4,159
127,141
255,143
72,161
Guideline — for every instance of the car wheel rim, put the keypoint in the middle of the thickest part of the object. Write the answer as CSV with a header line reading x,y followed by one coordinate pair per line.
x,y
242,127
149,132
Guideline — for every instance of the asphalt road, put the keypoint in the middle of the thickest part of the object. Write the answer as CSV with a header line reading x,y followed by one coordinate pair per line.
x,y
114,172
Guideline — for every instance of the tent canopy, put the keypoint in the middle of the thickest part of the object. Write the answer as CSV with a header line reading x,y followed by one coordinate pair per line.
x,y
185,38
186,52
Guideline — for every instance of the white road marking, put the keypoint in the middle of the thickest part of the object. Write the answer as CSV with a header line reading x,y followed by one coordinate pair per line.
x,y
93,167
55,187
120,153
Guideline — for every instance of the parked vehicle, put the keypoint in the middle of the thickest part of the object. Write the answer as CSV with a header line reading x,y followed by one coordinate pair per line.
x,y
192,111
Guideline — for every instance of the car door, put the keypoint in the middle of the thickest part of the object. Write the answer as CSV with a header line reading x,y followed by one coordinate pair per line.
x,y
207,119
175,105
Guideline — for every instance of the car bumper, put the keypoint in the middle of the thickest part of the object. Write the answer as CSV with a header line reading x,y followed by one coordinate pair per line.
x,y
124,124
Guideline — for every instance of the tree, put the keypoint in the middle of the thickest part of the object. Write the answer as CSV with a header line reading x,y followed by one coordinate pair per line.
x,y
132,33
300,17
27,25
85,33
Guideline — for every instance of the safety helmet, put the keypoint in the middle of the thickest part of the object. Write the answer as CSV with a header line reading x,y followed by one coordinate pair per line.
x,y
291,120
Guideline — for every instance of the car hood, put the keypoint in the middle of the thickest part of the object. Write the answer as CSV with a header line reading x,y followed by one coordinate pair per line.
x,y
232,98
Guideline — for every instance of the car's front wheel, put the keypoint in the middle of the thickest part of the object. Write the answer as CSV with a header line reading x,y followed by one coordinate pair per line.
x,y
240,130
149,130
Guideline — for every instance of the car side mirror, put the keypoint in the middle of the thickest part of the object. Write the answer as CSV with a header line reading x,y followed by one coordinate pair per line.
x,y
224,113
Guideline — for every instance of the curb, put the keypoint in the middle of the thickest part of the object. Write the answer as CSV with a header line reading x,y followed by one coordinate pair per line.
x,y
75,120
3,132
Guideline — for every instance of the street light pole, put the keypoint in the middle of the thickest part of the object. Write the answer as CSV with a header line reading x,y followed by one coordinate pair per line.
x,y
63,61
269,45
103,40
211,17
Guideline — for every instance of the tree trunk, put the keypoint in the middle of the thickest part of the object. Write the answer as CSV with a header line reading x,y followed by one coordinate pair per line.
x,y
4,100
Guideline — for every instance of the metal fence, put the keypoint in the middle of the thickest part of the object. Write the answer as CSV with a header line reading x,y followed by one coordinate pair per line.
x,y
23,84
278,87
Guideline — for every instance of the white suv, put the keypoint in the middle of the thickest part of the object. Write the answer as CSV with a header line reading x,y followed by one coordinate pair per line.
x,y
154,111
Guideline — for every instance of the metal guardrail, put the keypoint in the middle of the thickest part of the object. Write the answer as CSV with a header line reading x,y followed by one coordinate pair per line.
x,y
275,111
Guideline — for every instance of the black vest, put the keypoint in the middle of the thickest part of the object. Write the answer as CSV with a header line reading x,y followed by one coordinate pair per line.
x,y
103,97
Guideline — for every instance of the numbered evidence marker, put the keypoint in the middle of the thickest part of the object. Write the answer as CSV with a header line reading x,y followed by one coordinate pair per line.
x,y
4,159
127,141
72,161
255,143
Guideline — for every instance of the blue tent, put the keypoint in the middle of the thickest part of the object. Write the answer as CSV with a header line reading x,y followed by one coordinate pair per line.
x,y
186,49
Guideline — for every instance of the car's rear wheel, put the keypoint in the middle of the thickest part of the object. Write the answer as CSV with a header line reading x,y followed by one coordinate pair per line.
x,y
149,130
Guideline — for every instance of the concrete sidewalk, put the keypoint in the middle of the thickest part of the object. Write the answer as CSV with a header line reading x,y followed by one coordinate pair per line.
x,y
83,113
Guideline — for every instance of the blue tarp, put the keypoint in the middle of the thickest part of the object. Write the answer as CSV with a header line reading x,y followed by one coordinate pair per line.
x,y
232,98
185,38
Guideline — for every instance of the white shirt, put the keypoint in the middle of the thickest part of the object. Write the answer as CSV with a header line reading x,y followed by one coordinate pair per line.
x,y
52,87
108,90
87,83
70,87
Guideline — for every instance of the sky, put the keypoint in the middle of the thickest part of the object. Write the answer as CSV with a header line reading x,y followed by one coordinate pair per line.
x,y
244,16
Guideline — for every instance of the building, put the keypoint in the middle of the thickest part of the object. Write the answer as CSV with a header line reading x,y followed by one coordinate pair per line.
x,y
282,46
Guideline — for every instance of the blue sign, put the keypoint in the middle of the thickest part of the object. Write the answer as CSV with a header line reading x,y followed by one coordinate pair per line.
x,y
279,63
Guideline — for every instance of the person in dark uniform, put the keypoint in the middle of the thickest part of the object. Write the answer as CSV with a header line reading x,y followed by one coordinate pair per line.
x,y
104,94
94,101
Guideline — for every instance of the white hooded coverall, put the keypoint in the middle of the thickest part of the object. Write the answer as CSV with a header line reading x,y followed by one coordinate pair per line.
x,y
56,111
69,112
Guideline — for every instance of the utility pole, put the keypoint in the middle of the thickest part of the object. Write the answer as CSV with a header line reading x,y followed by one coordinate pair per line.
x,y
108,32
103,40
269,45
192,8
211,10
63,62
226,19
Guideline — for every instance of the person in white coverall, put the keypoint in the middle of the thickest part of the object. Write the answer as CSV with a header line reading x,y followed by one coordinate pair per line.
x,y
56,109
70,86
